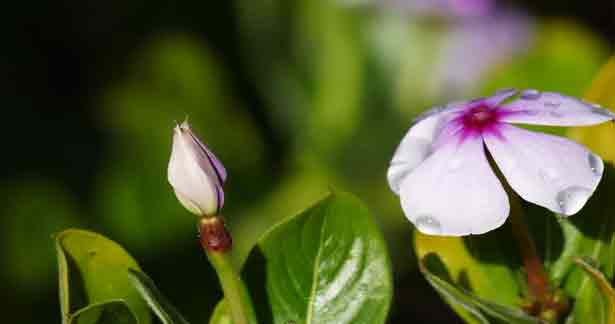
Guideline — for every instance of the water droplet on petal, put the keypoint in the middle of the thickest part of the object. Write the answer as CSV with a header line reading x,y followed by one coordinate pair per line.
x,y
571,199
548,175
597,109
504,90
530,94
428,225
595,164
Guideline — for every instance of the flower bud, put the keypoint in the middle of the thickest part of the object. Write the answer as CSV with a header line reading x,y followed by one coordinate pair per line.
x,y
195,174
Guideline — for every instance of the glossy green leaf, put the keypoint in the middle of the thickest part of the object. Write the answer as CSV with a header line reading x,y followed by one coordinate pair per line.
x,y
221,314
475,309
605,288
112,312
159,304
93,270
328,264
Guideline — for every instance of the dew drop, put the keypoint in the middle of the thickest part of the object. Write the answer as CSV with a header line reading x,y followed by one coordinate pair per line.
x,y
530,94
505,91
595,164
396,174
571,199
428,225
597,109
548,175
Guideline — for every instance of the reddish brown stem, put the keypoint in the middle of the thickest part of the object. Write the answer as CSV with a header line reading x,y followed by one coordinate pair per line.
x,y
537,279
213,235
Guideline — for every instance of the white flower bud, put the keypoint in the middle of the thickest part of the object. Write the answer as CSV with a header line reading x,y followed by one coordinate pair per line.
x,y
195,174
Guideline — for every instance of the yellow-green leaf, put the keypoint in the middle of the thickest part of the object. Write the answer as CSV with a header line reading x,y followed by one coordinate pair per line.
x,y
604,286
600,138
221,314
93,270
484,264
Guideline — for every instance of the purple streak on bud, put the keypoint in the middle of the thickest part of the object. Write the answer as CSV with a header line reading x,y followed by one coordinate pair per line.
x,y
218,167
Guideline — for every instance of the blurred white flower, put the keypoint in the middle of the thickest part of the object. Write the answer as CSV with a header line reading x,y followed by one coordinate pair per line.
x,y
445,48
473,47
195,173
443,8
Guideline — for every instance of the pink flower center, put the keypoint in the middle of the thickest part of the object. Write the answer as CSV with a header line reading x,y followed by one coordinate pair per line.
x,y
479,118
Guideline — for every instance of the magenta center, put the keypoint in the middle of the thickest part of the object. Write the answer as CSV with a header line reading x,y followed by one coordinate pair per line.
x,y
479,119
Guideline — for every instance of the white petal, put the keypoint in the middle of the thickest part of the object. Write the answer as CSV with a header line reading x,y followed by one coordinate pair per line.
x,y
415,147
554,109
454,192
547,170
195,187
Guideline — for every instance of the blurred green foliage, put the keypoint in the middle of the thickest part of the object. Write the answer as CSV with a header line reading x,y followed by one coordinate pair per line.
x,y
33,211
337,88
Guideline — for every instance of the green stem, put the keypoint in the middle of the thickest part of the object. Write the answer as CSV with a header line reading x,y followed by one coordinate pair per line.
x,y
217,244
235,292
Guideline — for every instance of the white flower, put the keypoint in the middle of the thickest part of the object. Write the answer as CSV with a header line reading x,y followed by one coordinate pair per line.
x,y
195,174
444,180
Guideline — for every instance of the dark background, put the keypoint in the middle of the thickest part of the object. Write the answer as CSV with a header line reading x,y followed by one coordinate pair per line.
x,y
58,64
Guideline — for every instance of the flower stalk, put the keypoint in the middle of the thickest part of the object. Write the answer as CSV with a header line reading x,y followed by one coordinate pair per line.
x,y
217,244
545,301
537,279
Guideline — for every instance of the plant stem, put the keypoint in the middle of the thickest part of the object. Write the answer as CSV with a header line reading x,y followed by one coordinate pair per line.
x,y
216,242
537,279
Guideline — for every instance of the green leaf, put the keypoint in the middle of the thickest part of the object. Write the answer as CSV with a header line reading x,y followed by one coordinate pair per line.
x,y
161,306
486,265
329,264
93,270
604,286
112,312
589,234
475,309
221,314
